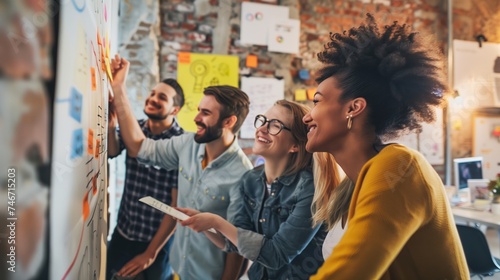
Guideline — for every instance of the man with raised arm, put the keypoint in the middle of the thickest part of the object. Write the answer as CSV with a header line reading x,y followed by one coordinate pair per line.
x,y
210,164
138,242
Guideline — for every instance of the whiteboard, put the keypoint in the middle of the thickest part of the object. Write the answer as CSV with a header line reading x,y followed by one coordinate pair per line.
x,y
78,214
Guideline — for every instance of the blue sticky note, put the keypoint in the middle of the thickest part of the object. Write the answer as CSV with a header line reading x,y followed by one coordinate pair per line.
x,y
304,74
75,104
77,144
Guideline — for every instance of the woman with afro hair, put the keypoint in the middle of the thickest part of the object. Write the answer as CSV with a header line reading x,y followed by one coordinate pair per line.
x,y
375,84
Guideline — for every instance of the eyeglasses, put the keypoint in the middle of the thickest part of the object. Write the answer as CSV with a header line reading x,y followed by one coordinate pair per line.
x,y
274,126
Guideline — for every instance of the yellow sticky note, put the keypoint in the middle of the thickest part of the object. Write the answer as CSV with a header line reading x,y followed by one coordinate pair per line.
x,y
108,69
251,61
300,95
310,93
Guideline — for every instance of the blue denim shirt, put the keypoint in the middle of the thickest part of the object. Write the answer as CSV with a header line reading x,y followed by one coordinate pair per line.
x,y
212,189
276,232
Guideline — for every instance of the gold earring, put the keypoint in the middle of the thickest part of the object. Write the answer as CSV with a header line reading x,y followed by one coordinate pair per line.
x,y
349,121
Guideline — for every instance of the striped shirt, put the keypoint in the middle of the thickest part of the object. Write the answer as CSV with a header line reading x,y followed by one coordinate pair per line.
x,y
136,220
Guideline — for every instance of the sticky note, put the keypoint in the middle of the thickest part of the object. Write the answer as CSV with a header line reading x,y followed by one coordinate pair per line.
x,y
90,142
107,45
184,57
300,95
103,60
251,61
94,184
93,78
85,206
304,74
97,148
108,69
76,144
105,13
75,104
99,41
310,93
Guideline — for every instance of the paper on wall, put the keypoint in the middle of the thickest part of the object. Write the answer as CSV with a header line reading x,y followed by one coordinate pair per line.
x,y
263,92
284,36
255,21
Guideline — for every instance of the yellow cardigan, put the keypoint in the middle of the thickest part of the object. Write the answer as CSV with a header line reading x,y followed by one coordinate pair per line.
x,y
400,224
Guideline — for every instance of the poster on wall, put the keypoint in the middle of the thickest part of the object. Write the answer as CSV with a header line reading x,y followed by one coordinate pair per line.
x,y
263,92
195,72
256,19
284,36
78,215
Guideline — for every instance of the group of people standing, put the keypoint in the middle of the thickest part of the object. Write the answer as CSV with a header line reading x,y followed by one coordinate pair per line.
x,y
294,217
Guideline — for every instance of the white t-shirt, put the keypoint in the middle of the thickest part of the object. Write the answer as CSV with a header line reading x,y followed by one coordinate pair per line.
x,y
332,239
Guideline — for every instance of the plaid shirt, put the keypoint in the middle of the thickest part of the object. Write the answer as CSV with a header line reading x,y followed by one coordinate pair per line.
x,y
136,220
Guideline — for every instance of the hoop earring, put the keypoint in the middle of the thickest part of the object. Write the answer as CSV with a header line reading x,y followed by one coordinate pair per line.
x,y
349,121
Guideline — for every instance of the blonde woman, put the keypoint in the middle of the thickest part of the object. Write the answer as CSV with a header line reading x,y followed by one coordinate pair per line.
x,y
272,226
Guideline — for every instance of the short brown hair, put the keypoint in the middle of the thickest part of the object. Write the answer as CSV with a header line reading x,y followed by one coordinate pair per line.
x,y
234,102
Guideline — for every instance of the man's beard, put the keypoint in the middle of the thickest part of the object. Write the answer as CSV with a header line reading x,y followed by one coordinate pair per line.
x,y
211,133
156,117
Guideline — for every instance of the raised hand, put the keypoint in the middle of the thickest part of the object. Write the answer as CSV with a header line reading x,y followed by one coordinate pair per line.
x,y
119,69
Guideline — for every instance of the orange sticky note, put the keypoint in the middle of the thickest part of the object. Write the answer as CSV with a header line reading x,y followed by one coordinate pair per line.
x,y
103,60
93,78
184,57
300,95
90,142
251,61
97,147
85,206
99,41
310,93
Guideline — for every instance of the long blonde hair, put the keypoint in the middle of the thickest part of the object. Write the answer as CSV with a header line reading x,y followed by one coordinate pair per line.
x,y
332,197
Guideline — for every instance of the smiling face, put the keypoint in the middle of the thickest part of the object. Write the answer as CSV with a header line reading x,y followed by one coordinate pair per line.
x,y
327,120
275,146
160,102
209,126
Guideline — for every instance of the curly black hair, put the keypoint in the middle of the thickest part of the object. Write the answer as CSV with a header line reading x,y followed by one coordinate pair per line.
x,y
397,71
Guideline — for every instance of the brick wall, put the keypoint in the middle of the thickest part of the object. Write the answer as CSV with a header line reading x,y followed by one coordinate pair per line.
x,y
193,26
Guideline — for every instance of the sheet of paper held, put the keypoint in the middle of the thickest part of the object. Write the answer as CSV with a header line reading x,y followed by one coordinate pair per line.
x,y
167,209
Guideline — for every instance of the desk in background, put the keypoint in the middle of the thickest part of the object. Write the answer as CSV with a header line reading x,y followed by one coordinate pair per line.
x,y
470,215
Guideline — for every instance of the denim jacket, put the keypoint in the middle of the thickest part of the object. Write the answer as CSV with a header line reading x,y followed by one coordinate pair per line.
x,y
275,231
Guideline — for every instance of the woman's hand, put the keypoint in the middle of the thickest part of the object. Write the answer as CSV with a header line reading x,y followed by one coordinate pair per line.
x,y
199,221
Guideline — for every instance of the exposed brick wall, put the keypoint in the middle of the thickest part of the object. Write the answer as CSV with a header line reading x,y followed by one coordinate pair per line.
x,y
191,25
184,29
